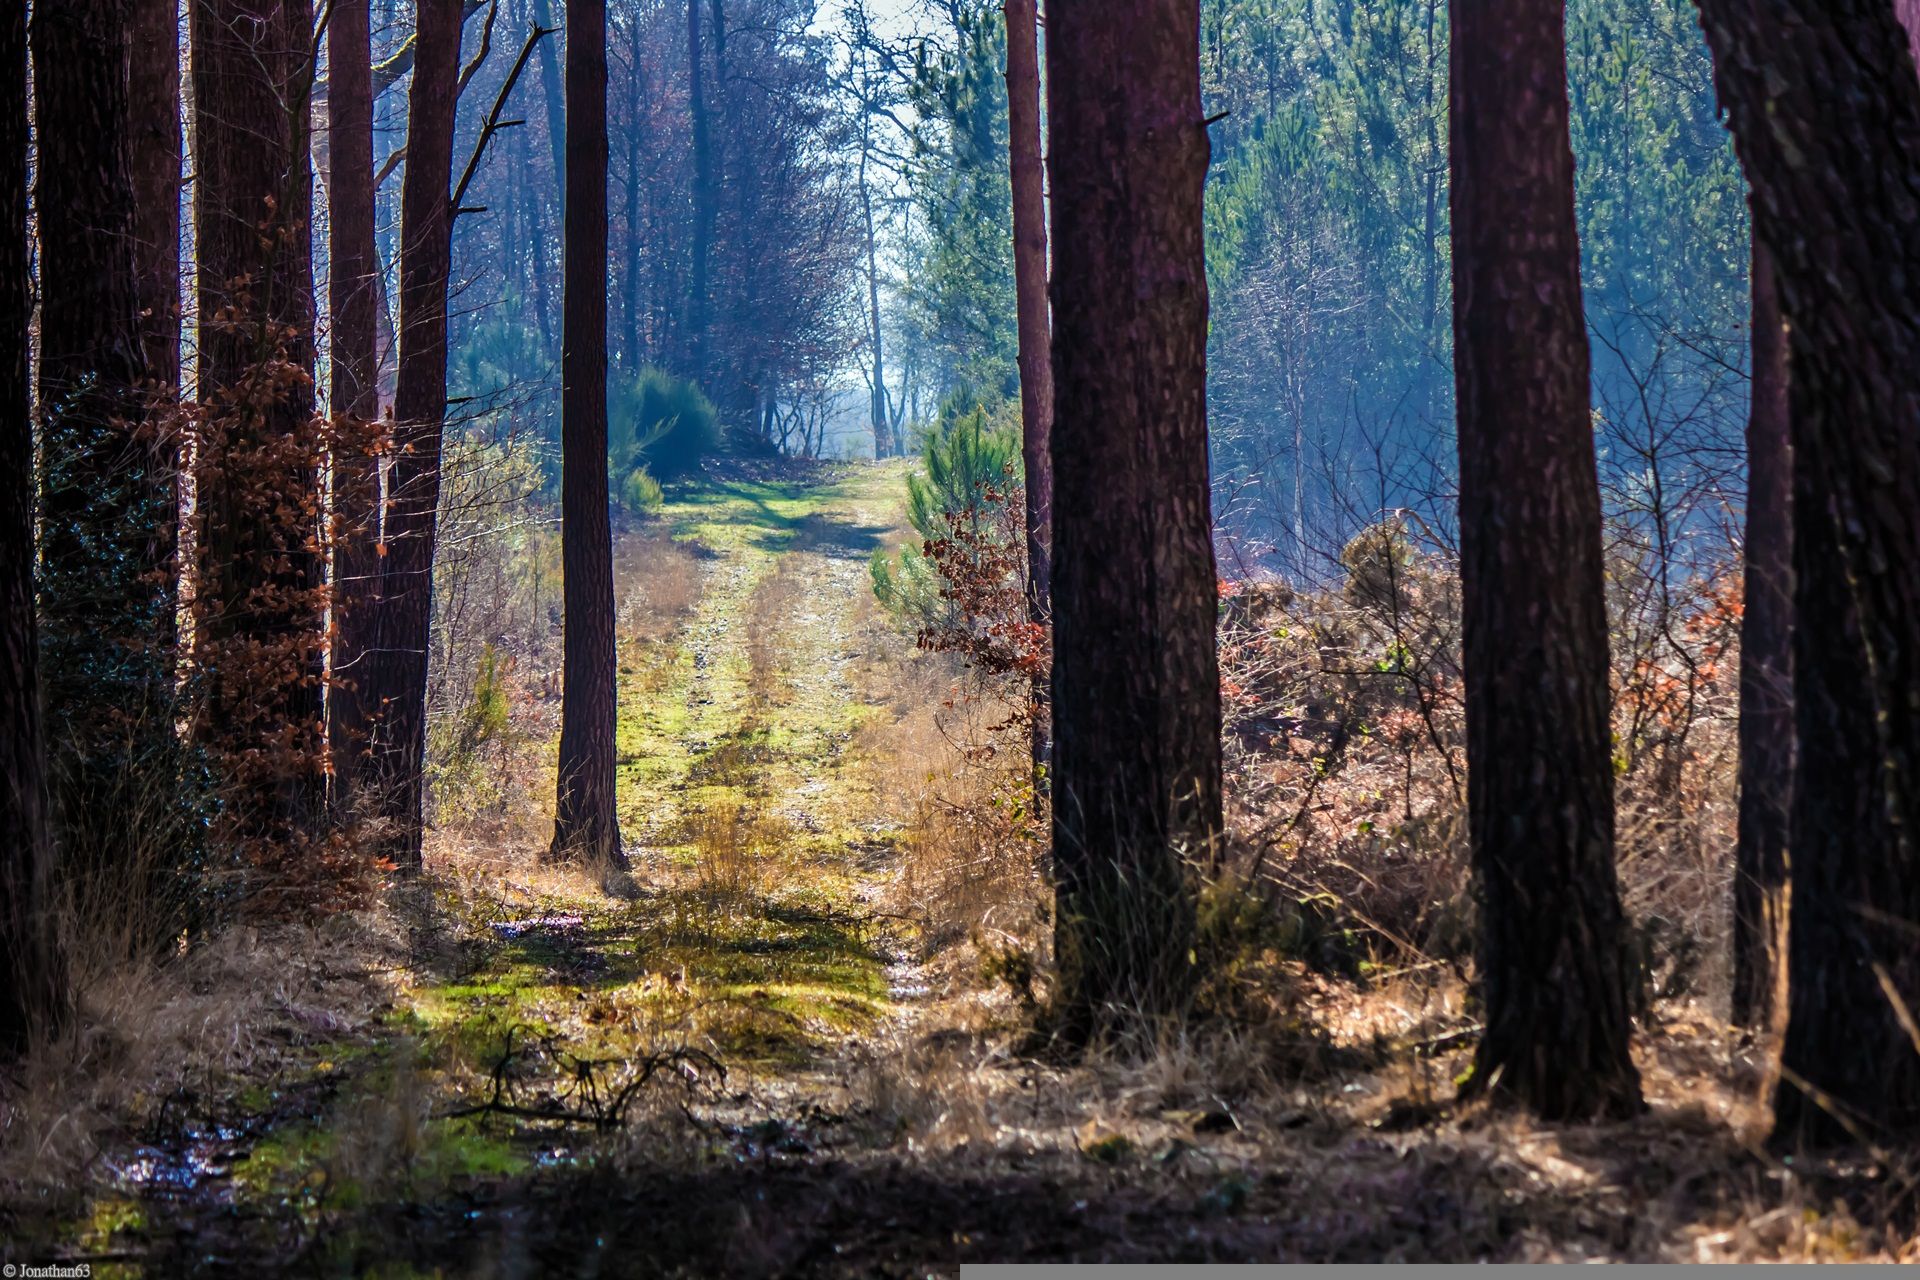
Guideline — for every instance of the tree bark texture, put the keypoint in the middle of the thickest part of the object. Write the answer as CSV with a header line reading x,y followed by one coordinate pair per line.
x,y
1035,327
259,605
108,502
1824,105
154,107
1553,959
1137,783
397,679
585,826
1766,668
32,988
353,292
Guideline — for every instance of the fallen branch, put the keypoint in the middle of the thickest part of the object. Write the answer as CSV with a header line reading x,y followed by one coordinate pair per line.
x,y
590,1099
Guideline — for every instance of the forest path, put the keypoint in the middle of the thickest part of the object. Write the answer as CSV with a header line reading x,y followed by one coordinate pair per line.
x,y
539,1023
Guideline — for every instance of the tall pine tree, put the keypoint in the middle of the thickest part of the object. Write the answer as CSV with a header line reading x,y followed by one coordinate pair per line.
x,y
1540,773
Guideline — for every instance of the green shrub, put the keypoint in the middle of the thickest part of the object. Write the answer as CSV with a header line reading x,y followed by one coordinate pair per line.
x,y
640,492
660,422
970,451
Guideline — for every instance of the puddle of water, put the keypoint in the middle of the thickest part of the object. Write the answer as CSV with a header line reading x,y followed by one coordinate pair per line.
x,y
201,1165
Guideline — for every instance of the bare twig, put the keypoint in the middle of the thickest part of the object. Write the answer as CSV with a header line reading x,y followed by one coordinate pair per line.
x,y
494,123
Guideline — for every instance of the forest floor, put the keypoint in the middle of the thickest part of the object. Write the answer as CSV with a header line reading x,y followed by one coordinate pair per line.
x,y
747,1057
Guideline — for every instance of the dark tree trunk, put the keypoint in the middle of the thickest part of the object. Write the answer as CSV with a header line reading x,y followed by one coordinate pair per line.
x,y
695,340
1030,293
108,504
1540,780
258,628
585,828
397,681
1137,786
154,107
1825,110
1766,668
32,991
353,293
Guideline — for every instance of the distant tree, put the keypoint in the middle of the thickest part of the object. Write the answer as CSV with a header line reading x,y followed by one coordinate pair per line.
x,y
1825,110
32,991
869,89
354,299
1766,665
397,682
260,598
585,826
1137,776
1030,290
960,290
1540,779
698,282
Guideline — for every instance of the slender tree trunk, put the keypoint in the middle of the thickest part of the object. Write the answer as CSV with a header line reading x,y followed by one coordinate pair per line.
x,y
33,989
585,827
353,291
877,404
1825,110
630,282
556,119
1766,668
1540,778
259,606
1137,786
1036,356
154,107
549,55
108,504
398,680
695,343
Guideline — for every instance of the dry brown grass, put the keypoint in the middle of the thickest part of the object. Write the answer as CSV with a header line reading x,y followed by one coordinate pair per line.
x,y
240,1005
770,613
737,851
659,581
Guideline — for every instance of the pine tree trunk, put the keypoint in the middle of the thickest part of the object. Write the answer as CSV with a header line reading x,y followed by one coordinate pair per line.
x,y
353,298
1540,779
585,827
260,574
33,981
1137,784
1766,668
154,107
1036,356
1824,105
398,680
108,503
